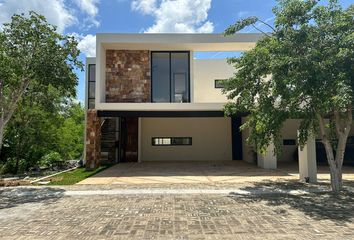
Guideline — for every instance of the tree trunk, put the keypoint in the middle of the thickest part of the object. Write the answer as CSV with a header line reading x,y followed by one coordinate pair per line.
x,y
335,161
2,129
336,179
335,172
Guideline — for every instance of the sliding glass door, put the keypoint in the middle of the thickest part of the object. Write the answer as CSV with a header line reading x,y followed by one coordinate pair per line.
x,y
170,76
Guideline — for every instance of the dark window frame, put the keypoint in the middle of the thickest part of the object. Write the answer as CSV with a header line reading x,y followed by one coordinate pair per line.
x,y
216,83
171,141
189,74
88,85
289,142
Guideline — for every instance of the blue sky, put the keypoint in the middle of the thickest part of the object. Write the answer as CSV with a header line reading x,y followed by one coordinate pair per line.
x,y
84,18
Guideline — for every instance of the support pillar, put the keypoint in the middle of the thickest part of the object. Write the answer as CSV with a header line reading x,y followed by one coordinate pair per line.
x,y
307,161
93,139
269,160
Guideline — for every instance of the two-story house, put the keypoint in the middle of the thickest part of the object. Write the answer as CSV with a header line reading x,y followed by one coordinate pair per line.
x,y
150,99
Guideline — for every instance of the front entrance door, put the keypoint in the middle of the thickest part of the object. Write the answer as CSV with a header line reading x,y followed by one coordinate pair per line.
x,y
236,138
129,139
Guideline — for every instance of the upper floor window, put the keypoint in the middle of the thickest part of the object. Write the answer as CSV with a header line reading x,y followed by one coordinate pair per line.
x,y
170,76
91,85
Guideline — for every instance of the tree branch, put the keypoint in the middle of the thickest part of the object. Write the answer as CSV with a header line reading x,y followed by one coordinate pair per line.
x,y
338,124
260,30
267,24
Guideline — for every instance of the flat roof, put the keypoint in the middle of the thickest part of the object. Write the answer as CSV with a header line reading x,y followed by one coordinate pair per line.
x,y
178,41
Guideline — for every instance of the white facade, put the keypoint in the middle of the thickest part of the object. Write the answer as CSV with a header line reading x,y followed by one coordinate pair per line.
x,y
166,42
212,137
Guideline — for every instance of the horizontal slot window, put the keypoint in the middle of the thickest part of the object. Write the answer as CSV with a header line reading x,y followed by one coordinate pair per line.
x,y
171,141
219,83
289,142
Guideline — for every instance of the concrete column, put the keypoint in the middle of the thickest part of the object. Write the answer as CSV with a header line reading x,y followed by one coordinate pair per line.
x,y
307,161
269,160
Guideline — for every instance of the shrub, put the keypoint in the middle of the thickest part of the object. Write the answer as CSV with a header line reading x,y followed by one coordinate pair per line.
x,y
52,159
10,166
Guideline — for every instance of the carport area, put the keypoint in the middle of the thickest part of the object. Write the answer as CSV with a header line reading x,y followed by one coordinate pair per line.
x,y
202,172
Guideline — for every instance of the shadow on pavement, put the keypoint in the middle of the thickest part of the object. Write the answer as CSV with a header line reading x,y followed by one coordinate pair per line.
x,y
12,197
317,205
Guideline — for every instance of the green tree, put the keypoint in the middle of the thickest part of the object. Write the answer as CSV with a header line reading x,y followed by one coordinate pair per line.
x,y
44,122
303,68
32,131
32,52
70,135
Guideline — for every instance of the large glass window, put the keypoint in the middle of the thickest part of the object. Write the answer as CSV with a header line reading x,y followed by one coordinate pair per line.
x,y
170,76
91,86
161,76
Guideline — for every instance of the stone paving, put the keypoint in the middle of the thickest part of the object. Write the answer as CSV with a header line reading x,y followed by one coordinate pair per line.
x,y
47,213
213,172
229,201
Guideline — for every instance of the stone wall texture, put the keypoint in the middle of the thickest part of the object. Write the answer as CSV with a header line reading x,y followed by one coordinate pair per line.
x,y
128,77
93,139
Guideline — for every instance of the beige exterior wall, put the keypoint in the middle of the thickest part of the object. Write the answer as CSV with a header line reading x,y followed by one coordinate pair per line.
x,y
289,131
211,139
205,72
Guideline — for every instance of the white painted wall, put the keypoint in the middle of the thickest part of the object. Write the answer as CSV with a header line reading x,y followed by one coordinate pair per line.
x,y
289,131
211,139
205,73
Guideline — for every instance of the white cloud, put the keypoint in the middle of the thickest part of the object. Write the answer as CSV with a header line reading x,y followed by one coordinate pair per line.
x,y
188,16
144,6
57,12
54,10
90,8
87,44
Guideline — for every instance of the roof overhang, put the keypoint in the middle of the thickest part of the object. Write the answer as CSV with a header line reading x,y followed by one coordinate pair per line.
x,y
178,41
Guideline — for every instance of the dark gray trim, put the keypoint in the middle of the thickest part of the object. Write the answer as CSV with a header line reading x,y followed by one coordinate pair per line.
x,y
289,142
237,151
88,84
161,114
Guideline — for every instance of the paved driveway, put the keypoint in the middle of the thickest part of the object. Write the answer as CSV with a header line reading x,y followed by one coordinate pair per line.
x,y
218,172
179,201
47,213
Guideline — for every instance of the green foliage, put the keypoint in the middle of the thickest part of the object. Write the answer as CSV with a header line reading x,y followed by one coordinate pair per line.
x,y
37,85
304,69
34,51
75,176
36,130
13,166
239,25
51,159
70,134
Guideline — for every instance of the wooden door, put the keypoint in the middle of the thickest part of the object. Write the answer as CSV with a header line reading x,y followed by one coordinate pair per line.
x,y
130,142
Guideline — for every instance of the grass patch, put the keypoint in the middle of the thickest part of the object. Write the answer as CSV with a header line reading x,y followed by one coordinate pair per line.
x,y
75,176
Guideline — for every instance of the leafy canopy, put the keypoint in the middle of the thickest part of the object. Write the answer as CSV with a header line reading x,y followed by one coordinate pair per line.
x,y
303,69
32,52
